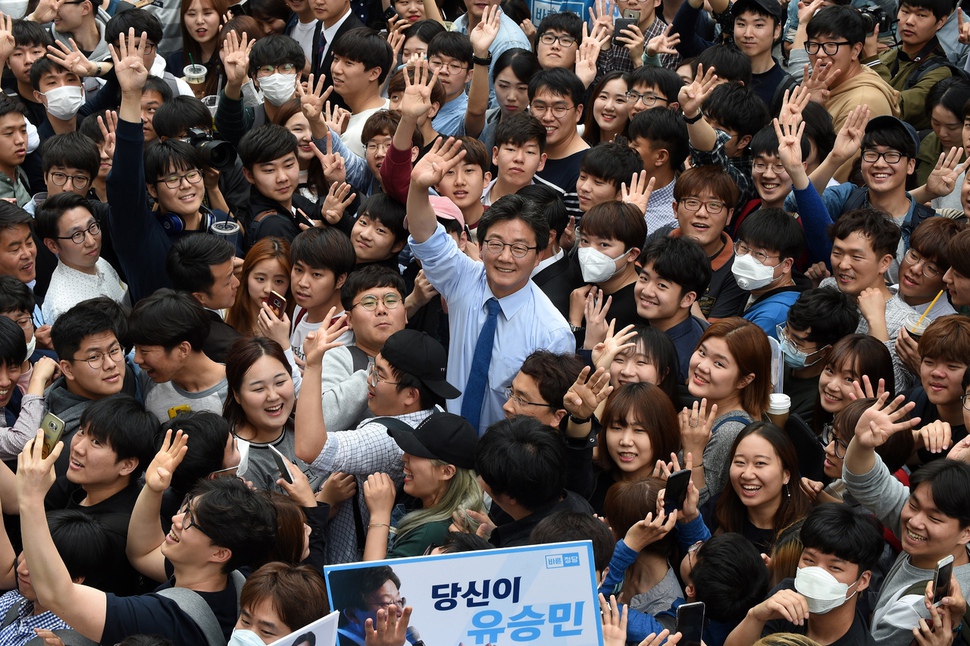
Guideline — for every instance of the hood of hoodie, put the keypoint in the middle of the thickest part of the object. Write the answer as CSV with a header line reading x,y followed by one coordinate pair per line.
x,y
101,53
855,91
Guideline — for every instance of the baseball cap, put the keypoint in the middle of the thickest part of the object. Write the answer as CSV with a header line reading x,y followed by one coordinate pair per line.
x,y
886,121
417,354
444,209
772,7
441,436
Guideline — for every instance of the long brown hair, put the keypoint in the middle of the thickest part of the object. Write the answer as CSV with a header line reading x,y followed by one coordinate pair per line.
x,y
192,51
751,350
242,315
647,404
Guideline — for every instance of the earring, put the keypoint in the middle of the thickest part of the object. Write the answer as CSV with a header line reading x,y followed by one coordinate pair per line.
x,y
787,491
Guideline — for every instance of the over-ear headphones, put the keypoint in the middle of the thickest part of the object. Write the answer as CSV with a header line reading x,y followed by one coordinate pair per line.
x,y
174,224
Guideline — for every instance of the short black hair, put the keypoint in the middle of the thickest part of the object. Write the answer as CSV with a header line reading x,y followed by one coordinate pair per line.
x,y
267,143
209,433
553,373
774,230
163,157
819,129
365,45
948,481
736,107
237,518
159,85
9,105
892,136
43,66
167,318
612,162
765,142
564,21
76,324
89,126
324,248
82,542
191,258
388,211
13,348
71,150
940,8
665,129
828,313
679,260
175,117
882,233
121,422
728,62
140,21
845,532
12,216
667,82
523,62
15,296
520,129
559,81
48,217
550,204
370,277
839,21
516,207
523,459
276,49
576,526
424,30
720,564
28,32
453,45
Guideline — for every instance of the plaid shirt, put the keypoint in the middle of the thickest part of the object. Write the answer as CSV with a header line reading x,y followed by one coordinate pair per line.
x,y
739,168
618,57
21,629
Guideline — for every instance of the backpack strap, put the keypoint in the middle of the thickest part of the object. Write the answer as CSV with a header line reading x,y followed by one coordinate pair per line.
x,y
856,200
69,636
11,614
733,418
361,360
927,66
195,607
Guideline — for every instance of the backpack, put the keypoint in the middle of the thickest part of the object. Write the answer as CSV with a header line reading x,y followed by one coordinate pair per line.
x,y
69,636
860,195
193,605
930,64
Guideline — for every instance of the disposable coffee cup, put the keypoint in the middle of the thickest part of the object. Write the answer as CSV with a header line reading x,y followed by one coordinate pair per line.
x,y
211,102
39,200
227,230
915,327
779,406
194,74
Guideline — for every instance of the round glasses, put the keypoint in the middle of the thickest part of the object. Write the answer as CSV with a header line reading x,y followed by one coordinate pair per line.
x,y
78,236
519,249
80,182
373,378
742,249
649,99
96,360
194,176
369,303
914,258
511,394
693,204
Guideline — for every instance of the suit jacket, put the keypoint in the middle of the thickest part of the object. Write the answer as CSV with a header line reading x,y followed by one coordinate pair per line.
x,y
221,336
557,281
323,65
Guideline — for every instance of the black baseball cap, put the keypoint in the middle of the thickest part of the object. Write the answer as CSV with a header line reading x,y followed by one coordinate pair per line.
x,y
886,122
772,7
441,436
417,354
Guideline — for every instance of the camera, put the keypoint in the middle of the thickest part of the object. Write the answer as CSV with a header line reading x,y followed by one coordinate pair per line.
x,y
875,15
215,153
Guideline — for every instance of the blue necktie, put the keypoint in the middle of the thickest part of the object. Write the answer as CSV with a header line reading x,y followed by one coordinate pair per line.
x,y
474,395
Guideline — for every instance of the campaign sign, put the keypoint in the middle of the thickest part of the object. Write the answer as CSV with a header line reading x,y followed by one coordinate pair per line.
x,y
531,594
322,632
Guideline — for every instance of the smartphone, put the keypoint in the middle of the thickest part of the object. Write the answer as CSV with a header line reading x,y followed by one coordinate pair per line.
x,y
276,303
690,623
676,492
282,465
53,427
239,9
622,23
632,13
224,473
941,580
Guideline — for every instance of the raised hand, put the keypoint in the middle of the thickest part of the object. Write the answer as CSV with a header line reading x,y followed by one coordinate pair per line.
x,y
7,42
807,9
338,199
649,530
790,145
35,474
416,100
443,156
312,102
693,95
484,33
934,437
865,391
129,64
820,80
235,59
942,180
71,58
601,16
158,475
632,38
664,637
614,343
325,338
336,117
792,105
964,29
587,392
586,55
849,139
614,621
882,420
390,629
639,192
108,126
695,427
595,311
663,44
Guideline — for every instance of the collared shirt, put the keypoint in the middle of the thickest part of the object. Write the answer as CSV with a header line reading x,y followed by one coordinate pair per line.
x,y
450,120
738,167
69,287
660,207
509,35
15,188
528,321
21,630
551,260
329,33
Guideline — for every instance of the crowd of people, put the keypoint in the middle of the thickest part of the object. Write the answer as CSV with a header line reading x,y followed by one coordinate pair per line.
x,y
293,283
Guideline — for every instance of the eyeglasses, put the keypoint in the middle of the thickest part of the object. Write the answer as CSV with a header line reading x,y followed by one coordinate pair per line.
x,y
914,258
559,110
519,249
369,303
649,99
78,236
761,167
786,341
966,401
96,360
267,70
194,176
742,249
80,182
453,67
510,394
188,518
387,605
872,156
828,436
830,49
373,146
373,378
693,204
549,38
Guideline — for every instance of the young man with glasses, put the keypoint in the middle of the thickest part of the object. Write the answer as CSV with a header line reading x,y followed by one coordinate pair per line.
x,y
71,232
489,298
557,40
653,87
450,55
172,171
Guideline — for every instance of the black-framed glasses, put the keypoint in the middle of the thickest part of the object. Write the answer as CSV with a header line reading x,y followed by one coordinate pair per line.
x,y
193,176
871,156
511,394
78,236
80,182
518,249
96,360
559,110
830,48
373,378
369,303
649,99
550,38
828,436
914,257
966,401
742,249
693,204
188,518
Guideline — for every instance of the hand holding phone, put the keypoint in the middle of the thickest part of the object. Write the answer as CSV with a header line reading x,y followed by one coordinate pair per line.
x,y
277,303
676,491
690,623
53,427
282,464
941,580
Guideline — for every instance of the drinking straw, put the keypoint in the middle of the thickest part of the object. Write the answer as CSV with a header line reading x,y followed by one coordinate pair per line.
x,y
191,60
932,303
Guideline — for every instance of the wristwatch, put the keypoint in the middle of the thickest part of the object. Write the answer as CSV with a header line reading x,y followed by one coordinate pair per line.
x,y
697,117
482,61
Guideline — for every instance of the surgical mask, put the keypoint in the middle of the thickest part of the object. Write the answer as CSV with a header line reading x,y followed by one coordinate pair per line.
x,y
597,266
278,88
823,591
794,358
250,95
31,346
244,638
750,273
64,102
13,8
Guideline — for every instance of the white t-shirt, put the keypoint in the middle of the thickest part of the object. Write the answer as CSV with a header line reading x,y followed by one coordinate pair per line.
x,y
355,126
304,327
303,34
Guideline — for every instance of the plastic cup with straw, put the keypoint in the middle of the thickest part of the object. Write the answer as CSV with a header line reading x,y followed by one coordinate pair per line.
x,y
194,74
917,323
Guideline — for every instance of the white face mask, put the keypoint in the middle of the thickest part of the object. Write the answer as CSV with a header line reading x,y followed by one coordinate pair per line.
x,y
278,88
242,637
597,266
750,273
13,8
64,102
31,346
823,591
